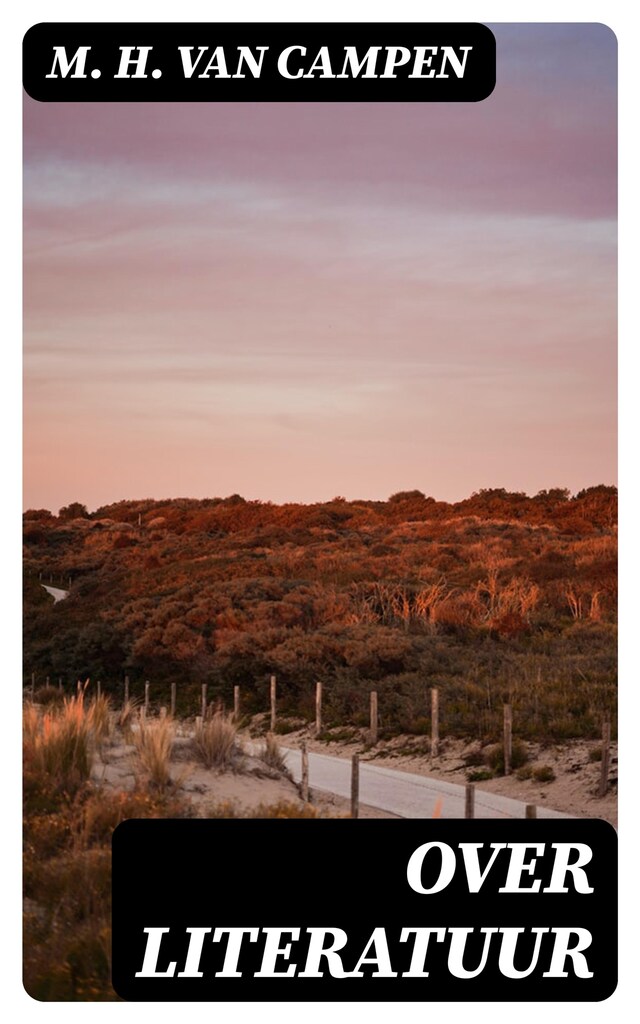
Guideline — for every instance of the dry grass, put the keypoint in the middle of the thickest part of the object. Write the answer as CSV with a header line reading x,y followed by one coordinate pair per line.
x,y
271,754
154,744
281,809
58,743
126,716
215,742
99,718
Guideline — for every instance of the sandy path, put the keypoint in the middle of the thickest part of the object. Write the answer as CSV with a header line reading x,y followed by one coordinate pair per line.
x,y
56,593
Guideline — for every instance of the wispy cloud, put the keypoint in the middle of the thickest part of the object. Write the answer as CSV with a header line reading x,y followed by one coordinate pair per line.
x,y
329,298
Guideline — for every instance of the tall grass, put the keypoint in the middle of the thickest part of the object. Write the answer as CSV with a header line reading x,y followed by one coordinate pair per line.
x,y
154,744
215,741
126,716
59,743
99,718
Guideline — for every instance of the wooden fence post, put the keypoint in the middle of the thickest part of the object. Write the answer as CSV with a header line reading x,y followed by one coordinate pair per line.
x,y
199,721
355,785
236,704
174,694
273,703
126,689
33,685
469,800
507,738
606,757
204,701
147,687
46,682
318,708
59,683
305,772
98,689
435,724
531,811
373,716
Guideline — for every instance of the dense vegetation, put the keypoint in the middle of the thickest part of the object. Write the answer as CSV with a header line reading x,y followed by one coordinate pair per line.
x,y
70,815
498,597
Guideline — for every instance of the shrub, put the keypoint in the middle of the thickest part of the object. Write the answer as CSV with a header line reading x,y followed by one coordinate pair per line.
x,y
544,773
420,726
340,735
473,758
494,756
46,695
480,775
286,725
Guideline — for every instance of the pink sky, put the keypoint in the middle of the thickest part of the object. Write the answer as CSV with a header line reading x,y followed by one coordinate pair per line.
x,y
298,301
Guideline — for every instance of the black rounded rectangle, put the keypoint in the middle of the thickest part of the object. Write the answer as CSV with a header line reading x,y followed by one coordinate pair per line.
x,y
268,62
407,905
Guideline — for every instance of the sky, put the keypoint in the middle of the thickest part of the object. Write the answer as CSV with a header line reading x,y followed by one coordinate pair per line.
x,y
296,301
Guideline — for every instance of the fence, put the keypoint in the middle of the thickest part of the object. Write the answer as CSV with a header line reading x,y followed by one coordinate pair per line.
x,y
204,707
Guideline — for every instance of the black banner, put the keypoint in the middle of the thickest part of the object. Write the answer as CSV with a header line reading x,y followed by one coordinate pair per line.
x,y
383,62
344,910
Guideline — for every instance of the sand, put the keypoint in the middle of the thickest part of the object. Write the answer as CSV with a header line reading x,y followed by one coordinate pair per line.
x,y
251,783
573,790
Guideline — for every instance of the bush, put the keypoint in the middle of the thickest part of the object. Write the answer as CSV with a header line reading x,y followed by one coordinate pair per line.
x,y
47,695
474,757
339,735
420,726
287,725
544,773
494,756
480,775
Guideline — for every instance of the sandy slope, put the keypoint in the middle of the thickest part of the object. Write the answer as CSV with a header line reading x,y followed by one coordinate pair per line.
x,y
573,791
